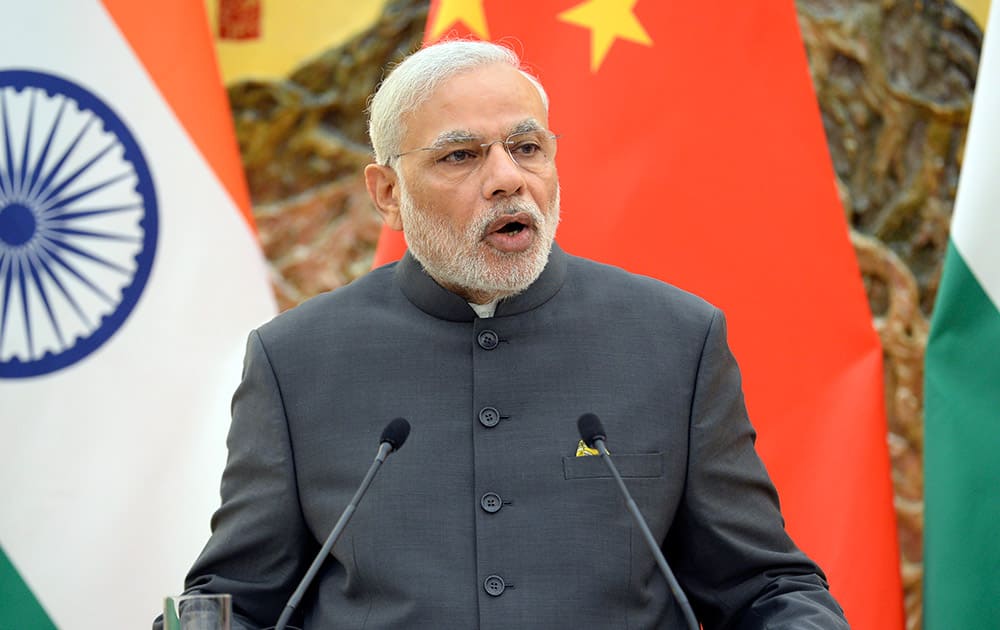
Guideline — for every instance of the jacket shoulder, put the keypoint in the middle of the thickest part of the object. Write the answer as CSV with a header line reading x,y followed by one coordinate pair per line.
x,y
350,303
609,286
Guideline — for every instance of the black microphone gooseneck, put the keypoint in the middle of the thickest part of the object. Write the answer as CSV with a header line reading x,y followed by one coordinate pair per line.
x,y
393,436
593,435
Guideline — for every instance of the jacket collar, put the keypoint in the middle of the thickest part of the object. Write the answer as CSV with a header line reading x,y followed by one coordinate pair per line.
x,y
435,300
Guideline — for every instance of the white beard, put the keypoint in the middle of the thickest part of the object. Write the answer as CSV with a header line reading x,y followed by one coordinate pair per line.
x,y
462,261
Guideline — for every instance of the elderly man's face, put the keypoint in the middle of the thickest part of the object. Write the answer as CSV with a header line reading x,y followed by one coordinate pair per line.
x,y
484,231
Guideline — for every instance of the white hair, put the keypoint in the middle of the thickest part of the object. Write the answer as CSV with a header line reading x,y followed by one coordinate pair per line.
x,y
415,79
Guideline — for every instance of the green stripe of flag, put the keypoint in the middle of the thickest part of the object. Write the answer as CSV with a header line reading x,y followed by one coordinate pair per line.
x,y
18,606
962,455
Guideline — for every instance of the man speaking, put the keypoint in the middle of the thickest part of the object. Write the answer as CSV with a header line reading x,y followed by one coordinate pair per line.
x,y
492,342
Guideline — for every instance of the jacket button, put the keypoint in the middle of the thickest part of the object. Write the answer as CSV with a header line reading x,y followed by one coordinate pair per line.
x,y
494,585
491,502
489,417
488,340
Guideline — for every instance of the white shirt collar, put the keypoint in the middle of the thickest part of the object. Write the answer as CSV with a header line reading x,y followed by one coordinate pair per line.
x,y
485,311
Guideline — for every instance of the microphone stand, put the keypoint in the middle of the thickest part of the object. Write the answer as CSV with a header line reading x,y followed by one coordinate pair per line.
x,y
383,451
675,588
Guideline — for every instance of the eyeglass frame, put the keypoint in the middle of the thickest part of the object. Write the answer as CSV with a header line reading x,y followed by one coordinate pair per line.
x,y
457,137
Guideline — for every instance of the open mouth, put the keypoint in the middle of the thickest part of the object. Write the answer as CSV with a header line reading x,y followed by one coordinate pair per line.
x,y
511,224
512,228
511,233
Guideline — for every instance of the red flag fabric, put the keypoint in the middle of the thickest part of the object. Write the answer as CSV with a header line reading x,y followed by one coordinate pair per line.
x,y
691,149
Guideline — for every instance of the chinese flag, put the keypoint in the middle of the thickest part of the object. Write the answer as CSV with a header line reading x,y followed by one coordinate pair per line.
x,y
691,149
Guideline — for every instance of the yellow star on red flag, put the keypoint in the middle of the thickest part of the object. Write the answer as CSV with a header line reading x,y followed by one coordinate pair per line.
x,y
607,20
468,12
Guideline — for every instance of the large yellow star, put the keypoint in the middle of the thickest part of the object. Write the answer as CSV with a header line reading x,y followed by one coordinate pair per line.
x,y
469,12
607,20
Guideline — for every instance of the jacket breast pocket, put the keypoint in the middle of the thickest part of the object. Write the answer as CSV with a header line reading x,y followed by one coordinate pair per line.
x,y
629,465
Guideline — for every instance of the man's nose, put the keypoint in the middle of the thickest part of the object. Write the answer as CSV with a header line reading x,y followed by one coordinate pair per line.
x,y
501,175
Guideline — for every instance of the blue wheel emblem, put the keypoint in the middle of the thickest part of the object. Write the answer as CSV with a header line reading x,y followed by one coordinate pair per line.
x,y
78,223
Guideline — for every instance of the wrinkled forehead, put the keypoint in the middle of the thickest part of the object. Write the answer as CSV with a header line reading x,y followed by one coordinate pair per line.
x,y
487,102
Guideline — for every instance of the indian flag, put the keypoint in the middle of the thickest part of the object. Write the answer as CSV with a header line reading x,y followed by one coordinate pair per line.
x,y
962,388
130,275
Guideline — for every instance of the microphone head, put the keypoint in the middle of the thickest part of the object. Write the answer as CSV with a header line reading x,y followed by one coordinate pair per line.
x,y
395,433
590,429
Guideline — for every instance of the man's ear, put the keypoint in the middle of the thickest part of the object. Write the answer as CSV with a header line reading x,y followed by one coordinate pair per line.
x,y
383,188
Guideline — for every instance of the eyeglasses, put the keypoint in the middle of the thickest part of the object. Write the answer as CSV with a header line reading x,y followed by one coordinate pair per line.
x,y
459,155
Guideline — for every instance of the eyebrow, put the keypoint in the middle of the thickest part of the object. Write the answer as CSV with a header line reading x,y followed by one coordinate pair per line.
x,y
454,136
529,124
463,136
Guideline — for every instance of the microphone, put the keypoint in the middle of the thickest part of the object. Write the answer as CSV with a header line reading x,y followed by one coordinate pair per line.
x,y
593,435
393,436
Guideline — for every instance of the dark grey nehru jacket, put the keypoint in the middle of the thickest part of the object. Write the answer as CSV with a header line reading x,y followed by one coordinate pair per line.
x,y
486,518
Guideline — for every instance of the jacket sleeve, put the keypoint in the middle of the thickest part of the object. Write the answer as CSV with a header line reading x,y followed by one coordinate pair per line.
x,y
728,543
260,546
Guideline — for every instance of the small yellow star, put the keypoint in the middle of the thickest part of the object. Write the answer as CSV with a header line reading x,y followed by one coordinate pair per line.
x,y
607,20
469,12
